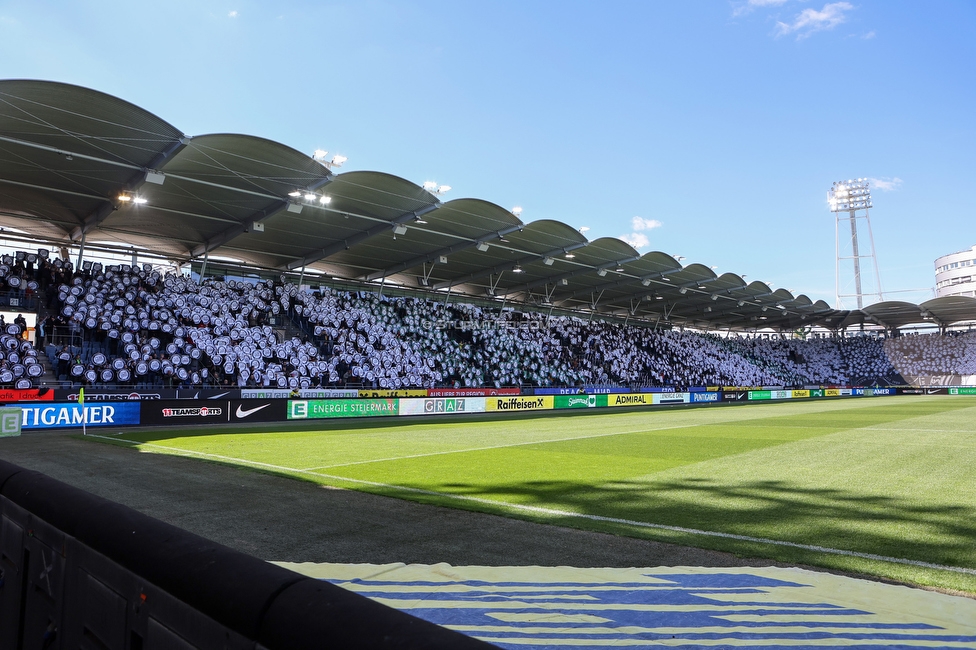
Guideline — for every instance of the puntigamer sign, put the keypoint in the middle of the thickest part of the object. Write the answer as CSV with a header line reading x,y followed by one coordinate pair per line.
x,y
58,416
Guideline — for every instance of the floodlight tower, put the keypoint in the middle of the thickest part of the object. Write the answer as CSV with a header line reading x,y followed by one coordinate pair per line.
x,y
846,199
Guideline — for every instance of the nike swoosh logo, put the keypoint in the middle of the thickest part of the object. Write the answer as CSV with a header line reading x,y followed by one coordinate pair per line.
x,y
241,413
216,396
931,392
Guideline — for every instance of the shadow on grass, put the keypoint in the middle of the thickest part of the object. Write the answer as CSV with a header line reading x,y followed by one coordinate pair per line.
x,y
877,524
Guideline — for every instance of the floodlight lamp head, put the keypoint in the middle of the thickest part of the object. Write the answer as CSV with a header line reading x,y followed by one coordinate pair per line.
x,y
646,282
547,261
483,246
319,154
683,290
517,210
430,186
601,272
517,269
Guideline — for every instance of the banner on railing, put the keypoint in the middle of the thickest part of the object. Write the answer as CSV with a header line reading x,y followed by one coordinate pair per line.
x,y
303,393
26,395
341,408
402,392
473,392
62,416
580,401
963,390
441,405
535,403
181,412
634,399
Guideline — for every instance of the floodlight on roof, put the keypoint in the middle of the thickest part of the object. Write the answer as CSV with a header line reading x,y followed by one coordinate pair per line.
x,y
620,269
714,296
310,196
139,200
325,200
601,272
435,188
517,210
125,198
683,290
547,261
646,282
517,269
399,229
338,160
583,229
483,246
564,282
295,194
569,256
851,195
319,154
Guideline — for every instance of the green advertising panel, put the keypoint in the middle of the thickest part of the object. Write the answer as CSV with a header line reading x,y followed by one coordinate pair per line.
x,y
10,421
341,408
816,392
965,390
579,401
760,394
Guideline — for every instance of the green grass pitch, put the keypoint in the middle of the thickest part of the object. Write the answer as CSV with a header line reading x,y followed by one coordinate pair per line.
x,y
892,477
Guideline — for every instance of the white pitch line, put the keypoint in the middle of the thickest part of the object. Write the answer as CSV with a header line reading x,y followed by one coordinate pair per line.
x,y
513,444
552,512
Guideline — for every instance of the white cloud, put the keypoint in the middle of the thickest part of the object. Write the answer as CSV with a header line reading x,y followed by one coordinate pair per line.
x,y
869,35
636,239
640,223
810,21
232,14
885,184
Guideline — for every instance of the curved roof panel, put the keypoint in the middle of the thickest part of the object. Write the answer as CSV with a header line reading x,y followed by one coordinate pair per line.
x,y
77,163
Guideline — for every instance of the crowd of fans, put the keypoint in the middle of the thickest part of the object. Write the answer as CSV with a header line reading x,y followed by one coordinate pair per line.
x,y
133,326
934,356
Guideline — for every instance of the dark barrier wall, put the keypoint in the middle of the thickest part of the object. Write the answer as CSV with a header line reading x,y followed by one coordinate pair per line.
x,y
79,571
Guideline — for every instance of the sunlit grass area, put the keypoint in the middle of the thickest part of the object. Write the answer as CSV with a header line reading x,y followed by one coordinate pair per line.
x,y
888,477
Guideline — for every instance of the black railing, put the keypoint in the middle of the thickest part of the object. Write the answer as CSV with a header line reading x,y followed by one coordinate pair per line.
x,y
79,571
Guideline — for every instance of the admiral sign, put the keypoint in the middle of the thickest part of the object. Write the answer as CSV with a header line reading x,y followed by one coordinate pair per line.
x,y
536,403
634,399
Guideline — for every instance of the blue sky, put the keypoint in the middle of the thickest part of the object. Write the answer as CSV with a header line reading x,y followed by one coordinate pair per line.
x,y
720,124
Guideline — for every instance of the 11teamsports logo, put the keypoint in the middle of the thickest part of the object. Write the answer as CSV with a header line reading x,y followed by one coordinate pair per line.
x,y
203,411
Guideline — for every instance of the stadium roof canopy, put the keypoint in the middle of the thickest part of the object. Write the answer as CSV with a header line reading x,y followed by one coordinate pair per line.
x,y
77,165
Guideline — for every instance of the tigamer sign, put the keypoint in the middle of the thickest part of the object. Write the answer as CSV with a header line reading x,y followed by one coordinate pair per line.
x,y
62,416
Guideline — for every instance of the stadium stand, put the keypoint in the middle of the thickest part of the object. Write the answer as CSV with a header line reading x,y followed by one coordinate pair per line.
x,y
120,326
